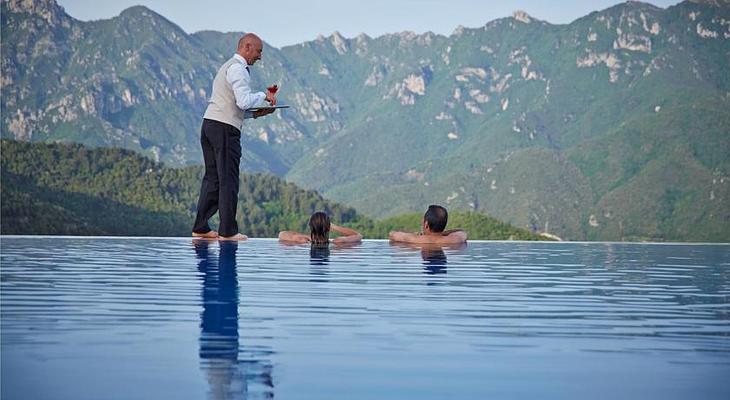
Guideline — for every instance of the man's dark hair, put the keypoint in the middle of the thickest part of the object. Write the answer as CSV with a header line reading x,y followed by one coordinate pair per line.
x,y
436,217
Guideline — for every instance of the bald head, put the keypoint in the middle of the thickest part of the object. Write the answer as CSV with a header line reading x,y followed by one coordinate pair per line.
x,y
250,47
248,39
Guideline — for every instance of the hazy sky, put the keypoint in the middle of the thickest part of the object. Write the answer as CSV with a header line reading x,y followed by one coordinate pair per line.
x,y
285,22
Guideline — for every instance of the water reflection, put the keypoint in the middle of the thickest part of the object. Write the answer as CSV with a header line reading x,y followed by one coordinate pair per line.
x,y
608,318
433,255
434,260
228,376
319,259
319,254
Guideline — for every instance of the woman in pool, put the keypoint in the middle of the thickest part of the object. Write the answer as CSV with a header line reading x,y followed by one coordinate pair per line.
x,y
319,232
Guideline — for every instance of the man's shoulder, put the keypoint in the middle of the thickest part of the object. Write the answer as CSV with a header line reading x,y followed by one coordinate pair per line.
x,y
454,236
236,68
232,61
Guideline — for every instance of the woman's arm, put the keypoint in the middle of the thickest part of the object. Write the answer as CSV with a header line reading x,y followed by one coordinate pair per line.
x,y
348,235
294,237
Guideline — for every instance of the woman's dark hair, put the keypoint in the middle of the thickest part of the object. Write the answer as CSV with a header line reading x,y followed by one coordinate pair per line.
x,y
319,228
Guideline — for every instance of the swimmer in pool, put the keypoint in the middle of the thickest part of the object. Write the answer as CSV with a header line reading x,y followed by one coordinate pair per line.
x,y
319,231
434,225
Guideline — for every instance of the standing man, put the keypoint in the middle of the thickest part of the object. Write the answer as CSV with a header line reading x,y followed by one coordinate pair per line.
x,y
220,138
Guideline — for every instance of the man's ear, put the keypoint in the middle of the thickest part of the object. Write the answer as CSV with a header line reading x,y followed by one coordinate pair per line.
x,y
425,226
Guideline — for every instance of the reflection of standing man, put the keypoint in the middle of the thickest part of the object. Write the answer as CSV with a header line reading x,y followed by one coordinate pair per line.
x,y
229,377
220,139
219,320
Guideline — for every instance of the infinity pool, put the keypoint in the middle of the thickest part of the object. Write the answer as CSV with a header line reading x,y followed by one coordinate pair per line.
x,y
131,318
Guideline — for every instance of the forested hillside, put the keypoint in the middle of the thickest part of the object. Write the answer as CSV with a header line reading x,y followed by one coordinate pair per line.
x,y
69,189
75,190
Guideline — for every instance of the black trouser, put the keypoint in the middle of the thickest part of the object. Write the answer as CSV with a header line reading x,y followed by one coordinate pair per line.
x,y
219,191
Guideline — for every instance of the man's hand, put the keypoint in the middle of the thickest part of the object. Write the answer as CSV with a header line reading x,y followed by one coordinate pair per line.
x,y
262,112
397,236
271,98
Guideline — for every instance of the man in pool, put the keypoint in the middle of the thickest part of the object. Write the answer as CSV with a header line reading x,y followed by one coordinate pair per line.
x,y
434,225
220,138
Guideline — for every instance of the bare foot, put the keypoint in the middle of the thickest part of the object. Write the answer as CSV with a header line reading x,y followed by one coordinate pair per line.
x,y
207,235
237,236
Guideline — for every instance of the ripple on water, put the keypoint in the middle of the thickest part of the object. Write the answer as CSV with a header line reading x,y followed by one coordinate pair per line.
x,y
264,318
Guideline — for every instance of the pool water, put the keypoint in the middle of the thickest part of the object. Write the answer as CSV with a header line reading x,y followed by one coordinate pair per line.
x,y
169,318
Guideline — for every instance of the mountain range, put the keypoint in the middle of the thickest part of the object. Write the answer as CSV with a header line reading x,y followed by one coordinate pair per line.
x,y
612,127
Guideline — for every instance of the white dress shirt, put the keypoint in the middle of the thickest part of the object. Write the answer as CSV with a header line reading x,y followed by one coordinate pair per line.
x,y
239,77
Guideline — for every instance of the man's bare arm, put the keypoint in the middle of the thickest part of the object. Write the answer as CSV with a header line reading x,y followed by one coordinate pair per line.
x,y
293,237
405,237
457,236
